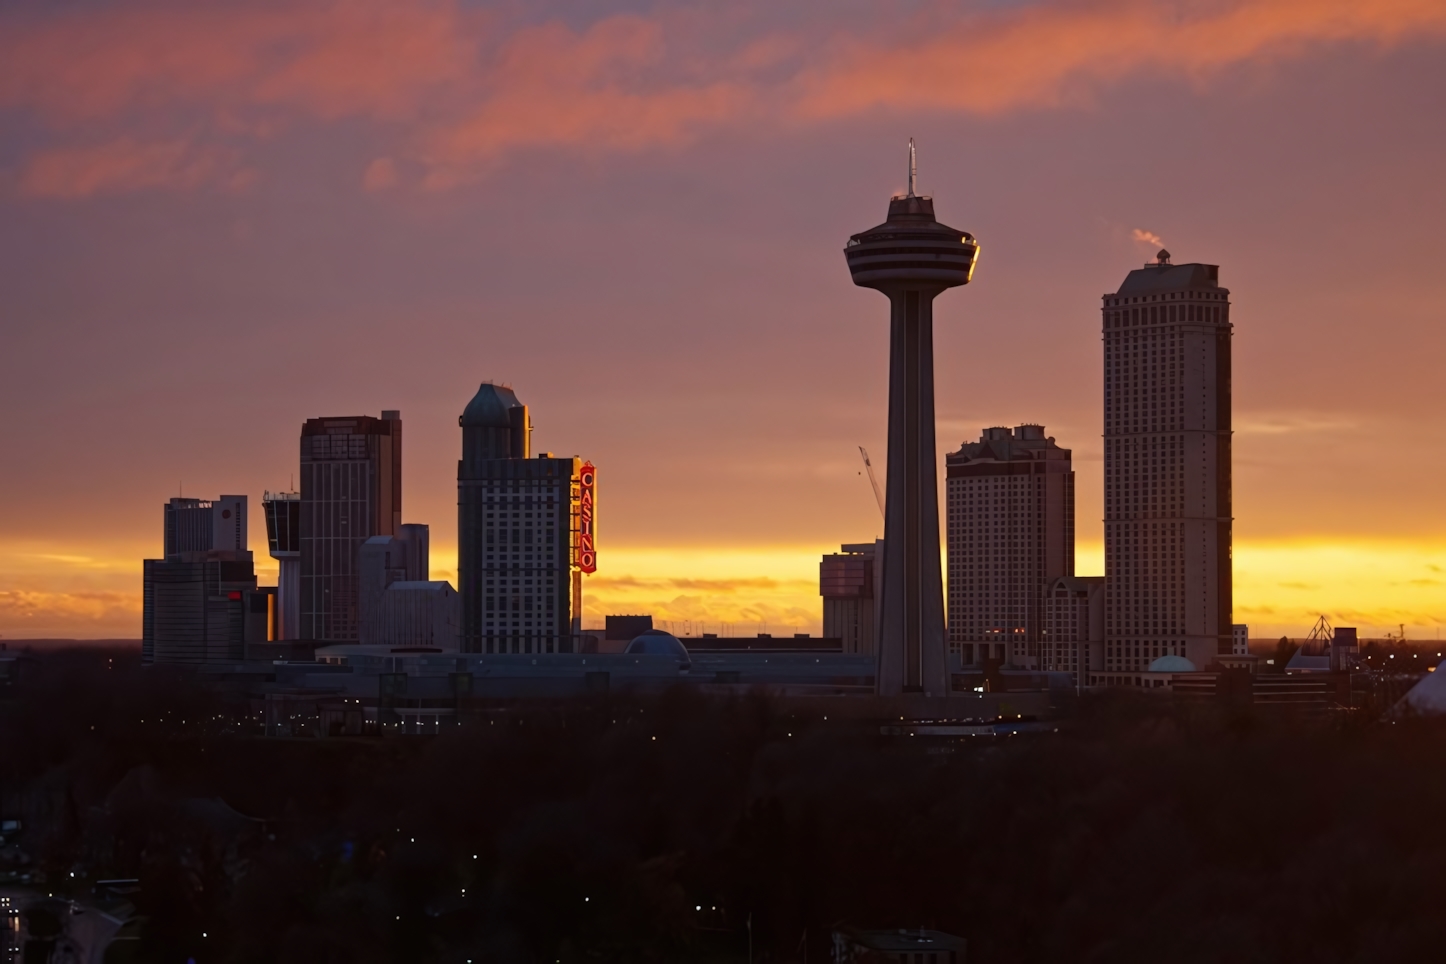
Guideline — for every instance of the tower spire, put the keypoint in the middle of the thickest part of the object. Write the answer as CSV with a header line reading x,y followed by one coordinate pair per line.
x,y
913,171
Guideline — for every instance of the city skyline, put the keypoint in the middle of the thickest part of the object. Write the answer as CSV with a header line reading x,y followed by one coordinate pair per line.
x,y
720,380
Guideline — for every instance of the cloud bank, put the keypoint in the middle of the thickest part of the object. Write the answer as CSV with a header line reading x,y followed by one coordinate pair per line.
x,y
182,90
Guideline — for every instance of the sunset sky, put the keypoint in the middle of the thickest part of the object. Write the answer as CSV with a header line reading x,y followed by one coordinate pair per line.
x,y
220,219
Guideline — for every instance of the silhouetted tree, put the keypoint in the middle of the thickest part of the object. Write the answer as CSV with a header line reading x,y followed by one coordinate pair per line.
x,y
627,829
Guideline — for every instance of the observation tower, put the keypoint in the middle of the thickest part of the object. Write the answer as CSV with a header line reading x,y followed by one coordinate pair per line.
x,y
912,258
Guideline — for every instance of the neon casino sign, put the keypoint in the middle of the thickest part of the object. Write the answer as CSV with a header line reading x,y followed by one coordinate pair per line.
x,y
587,515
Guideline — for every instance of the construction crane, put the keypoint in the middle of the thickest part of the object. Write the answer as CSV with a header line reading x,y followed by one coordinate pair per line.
x,y
878,493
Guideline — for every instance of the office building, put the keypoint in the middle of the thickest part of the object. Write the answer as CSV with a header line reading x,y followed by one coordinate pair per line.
x,y
283,538
381,562
1167,466
848,581
198,525
191,528
202,607
1073,641
1239,640
1010,508
526,531
911,258
351,490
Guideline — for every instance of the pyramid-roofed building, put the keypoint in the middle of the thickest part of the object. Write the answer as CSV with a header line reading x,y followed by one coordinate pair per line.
x,y
1427,698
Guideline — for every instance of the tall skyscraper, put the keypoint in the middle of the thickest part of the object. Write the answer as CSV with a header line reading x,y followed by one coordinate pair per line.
x,y
525,533
912,259
1167,466
1010,500
283,537
351,490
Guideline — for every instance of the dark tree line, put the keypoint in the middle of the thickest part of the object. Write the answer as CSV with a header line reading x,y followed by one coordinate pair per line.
x,y
656,830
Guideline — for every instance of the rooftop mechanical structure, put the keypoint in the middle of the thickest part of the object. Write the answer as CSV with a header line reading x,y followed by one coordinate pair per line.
x,y
912,259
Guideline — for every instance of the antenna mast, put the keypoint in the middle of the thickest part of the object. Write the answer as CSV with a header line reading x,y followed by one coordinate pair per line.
x,y
913,171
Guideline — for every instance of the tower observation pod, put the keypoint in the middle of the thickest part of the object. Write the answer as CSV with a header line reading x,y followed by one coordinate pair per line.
x,y
912,258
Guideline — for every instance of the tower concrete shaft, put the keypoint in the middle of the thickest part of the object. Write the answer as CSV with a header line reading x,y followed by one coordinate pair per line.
x,y
912,658
912,258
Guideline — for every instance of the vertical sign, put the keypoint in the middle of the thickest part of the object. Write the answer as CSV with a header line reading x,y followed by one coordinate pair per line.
x,y
587,516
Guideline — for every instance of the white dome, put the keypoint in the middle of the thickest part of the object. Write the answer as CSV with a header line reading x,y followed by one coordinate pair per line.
x,y
1172,664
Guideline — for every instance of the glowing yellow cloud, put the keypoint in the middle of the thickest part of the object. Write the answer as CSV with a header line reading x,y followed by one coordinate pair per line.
x,y
1281,588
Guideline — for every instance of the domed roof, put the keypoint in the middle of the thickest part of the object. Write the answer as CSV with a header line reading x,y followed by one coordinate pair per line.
x,y
1172,664
489,407
655,642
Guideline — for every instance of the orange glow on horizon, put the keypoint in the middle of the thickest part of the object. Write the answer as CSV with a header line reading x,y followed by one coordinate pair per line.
x,y
1280,587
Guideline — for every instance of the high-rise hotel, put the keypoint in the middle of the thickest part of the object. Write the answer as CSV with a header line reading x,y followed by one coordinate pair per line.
x,y
1011,533
1167,466
525,529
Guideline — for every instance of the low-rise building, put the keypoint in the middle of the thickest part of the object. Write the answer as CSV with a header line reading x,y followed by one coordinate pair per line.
x,y
382,561
1074,626
848,581
423,613
903,946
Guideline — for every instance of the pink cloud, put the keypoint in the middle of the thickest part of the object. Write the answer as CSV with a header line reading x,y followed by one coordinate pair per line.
x,y
1049,55
125,165
611,87
327,59
462,88
380,174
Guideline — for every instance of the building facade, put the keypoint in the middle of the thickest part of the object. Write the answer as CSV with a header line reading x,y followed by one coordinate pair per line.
x,y
381,562
419,613
198,600
351,490
1010,508
283,538
848,581
1074,627
202,607
199,525
525,533
1167,466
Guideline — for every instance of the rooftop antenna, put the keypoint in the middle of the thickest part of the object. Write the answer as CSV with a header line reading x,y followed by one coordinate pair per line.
x,y
913,171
